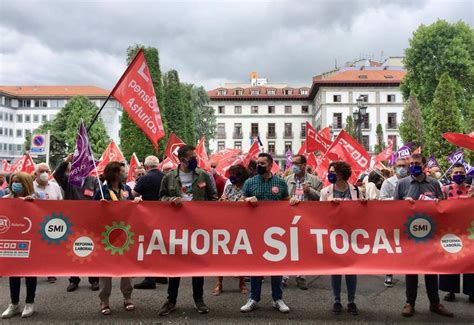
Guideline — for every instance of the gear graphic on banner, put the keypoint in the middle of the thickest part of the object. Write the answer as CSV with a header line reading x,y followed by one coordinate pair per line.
x,y
55,228
117,238
452,243
83,246
419,227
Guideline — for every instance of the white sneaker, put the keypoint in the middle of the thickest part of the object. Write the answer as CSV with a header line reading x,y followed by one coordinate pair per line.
x,y
281,306
11,311
28,310
249,306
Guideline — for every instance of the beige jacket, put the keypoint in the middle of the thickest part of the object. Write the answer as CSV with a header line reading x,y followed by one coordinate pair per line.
x,y
328,191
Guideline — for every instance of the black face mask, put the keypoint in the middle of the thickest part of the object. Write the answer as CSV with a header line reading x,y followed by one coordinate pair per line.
x,y
261,170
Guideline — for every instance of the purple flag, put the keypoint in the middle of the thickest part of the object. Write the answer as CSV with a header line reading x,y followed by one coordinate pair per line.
x,y
458,157
82,161
403,152
432,162
289,159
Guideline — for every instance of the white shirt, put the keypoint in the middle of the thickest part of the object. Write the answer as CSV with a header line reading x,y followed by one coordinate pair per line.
x,y
187,183
51,191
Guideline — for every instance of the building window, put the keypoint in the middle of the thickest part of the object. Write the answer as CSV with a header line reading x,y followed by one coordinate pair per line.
x,y
10,132
365,142
18,147
238,131
221,130
336,98
27,118
392,121
19,133
41,103
271,92
36,118
220,145
365,98
237,109
271,109
391,98
305,109
44,118
1,131
337,121
1,116
255,92
271,147
10,147
254,130
222,92
303,130
288,91
365,123
10,118
19,118
271,130
239,92
8,102
254,109
221,109
238,145
287,109
24,103
288,146
304,91
27,132
288,130
393,139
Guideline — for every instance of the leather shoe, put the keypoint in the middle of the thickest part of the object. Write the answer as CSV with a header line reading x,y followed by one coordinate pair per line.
x,y
408,310
72,287
441,310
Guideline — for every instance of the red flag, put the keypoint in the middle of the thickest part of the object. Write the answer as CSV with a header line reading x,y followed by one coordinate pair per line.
x,y
311,161
275,168
6,167
225,164
252,154
322,170
24,164
314,141
302,150
326,133
135,92
384,155
224,154
111,153
203,159
166,162
172,147
134,163
461,140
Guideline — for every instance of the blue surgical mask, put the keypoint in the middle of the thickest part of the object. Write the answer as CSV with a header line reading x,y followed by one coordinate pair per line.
x,y
459,179
296,169
332,177
17,188
401,171
416,170
192,163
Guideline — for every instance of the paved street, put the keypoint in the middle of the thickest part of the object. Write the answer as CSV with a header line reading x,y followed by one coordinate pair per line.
x,y
377,305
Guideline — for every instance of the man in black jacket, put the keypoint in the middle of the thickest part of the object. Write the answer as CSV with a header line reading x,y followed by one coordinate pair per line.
x,y
86,192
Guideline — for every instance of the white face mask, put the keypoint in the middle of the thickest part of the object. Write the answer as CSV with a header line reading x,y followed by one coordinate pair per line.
x,y
44,177
437,175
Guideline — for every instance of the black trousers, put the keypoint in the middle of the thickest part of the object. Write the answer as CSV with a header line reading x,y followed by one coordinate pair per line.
x,y
173,287
15,285
431,282
452,283
76,279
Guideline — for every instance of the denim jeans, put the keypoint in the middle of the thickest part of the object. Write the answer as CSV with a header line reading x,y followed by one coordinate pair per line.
x,y
256,287
351,283
15,284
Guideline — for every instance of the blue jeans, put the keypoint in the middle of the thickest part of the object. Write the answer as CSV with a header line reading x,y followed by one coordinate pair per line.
x,y
351,283
256,287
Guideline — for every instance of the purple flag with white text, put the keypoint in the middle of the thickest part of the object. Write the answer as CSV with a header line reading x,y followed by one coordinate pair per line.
x,y
403,152
83,160
289,159
432,162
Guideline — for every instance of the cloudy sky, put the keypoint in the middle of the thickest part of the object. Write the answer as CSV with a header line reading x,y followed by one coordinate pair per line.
x,y
208,42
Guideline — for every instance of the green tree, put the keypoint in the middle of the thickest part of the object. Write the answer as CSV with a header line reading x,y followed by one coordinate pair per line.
x,y
189,113
437,49
174,103
443,116
351,127
411,128
380,146
205,119
132,138
64,129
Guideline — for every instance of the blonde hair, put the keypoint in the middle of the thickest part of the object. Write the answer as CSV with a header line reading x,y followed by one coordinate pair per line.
x,y
26,180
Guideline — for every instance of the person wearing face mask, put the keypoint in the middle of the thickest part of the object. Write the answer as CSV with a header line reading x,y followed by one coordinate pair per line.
x,y
238,174
387,191
302,186
3,185
115,189
339,173
21,186
137,173
186,183
450,283
219,180
46,190
419,186
265,187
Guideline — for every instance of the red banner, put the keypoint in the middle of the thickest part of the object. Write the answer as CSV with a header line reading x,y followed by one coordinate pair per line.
x,y
315,141
134,163
384,155
172,147
203,159
224,154
136,94
224,238
111,153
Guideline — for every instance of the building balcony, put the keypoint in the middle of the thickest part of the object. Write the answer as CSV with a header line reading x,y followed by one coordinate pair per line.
x,y
366,126
271,135
391,126
254,135
221,135
288,135
237,135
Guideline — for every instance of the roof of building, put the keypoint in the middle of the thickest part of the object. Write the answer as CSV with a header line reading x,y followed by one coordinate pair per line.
x,y
54,91
264,92
363,76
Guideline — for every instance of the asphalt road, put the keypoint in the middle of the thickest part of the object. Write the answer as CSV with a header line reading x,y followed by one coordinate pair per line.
x,y
377,304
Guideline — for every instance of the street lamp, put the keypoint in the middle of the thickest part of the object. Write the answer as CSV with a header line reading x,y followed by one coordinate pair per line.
x,y
359,116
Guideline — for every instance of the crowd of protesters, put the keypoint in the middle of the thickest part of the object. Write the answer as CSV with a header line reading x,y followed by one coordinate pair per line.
x,y
409,179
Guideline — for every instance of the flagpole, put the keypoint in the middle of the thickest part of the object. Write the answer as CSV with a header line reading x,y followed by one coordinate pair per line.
x,y
96,172
98,113
444,175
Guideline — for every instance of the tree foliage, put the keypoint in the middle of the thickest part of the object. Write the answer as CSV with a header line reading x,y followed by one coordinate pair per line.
x,y
412,126
351,127
380,146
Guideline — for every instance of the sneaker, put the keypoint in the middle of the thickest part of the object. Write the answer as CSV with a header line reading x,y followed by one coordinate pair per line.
x,y
11,311
72,287
281,306
145,285
352,309
167,308
301,283
450,297
337,308
388,281
52,279
28,310
95,286
249,306
201,307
